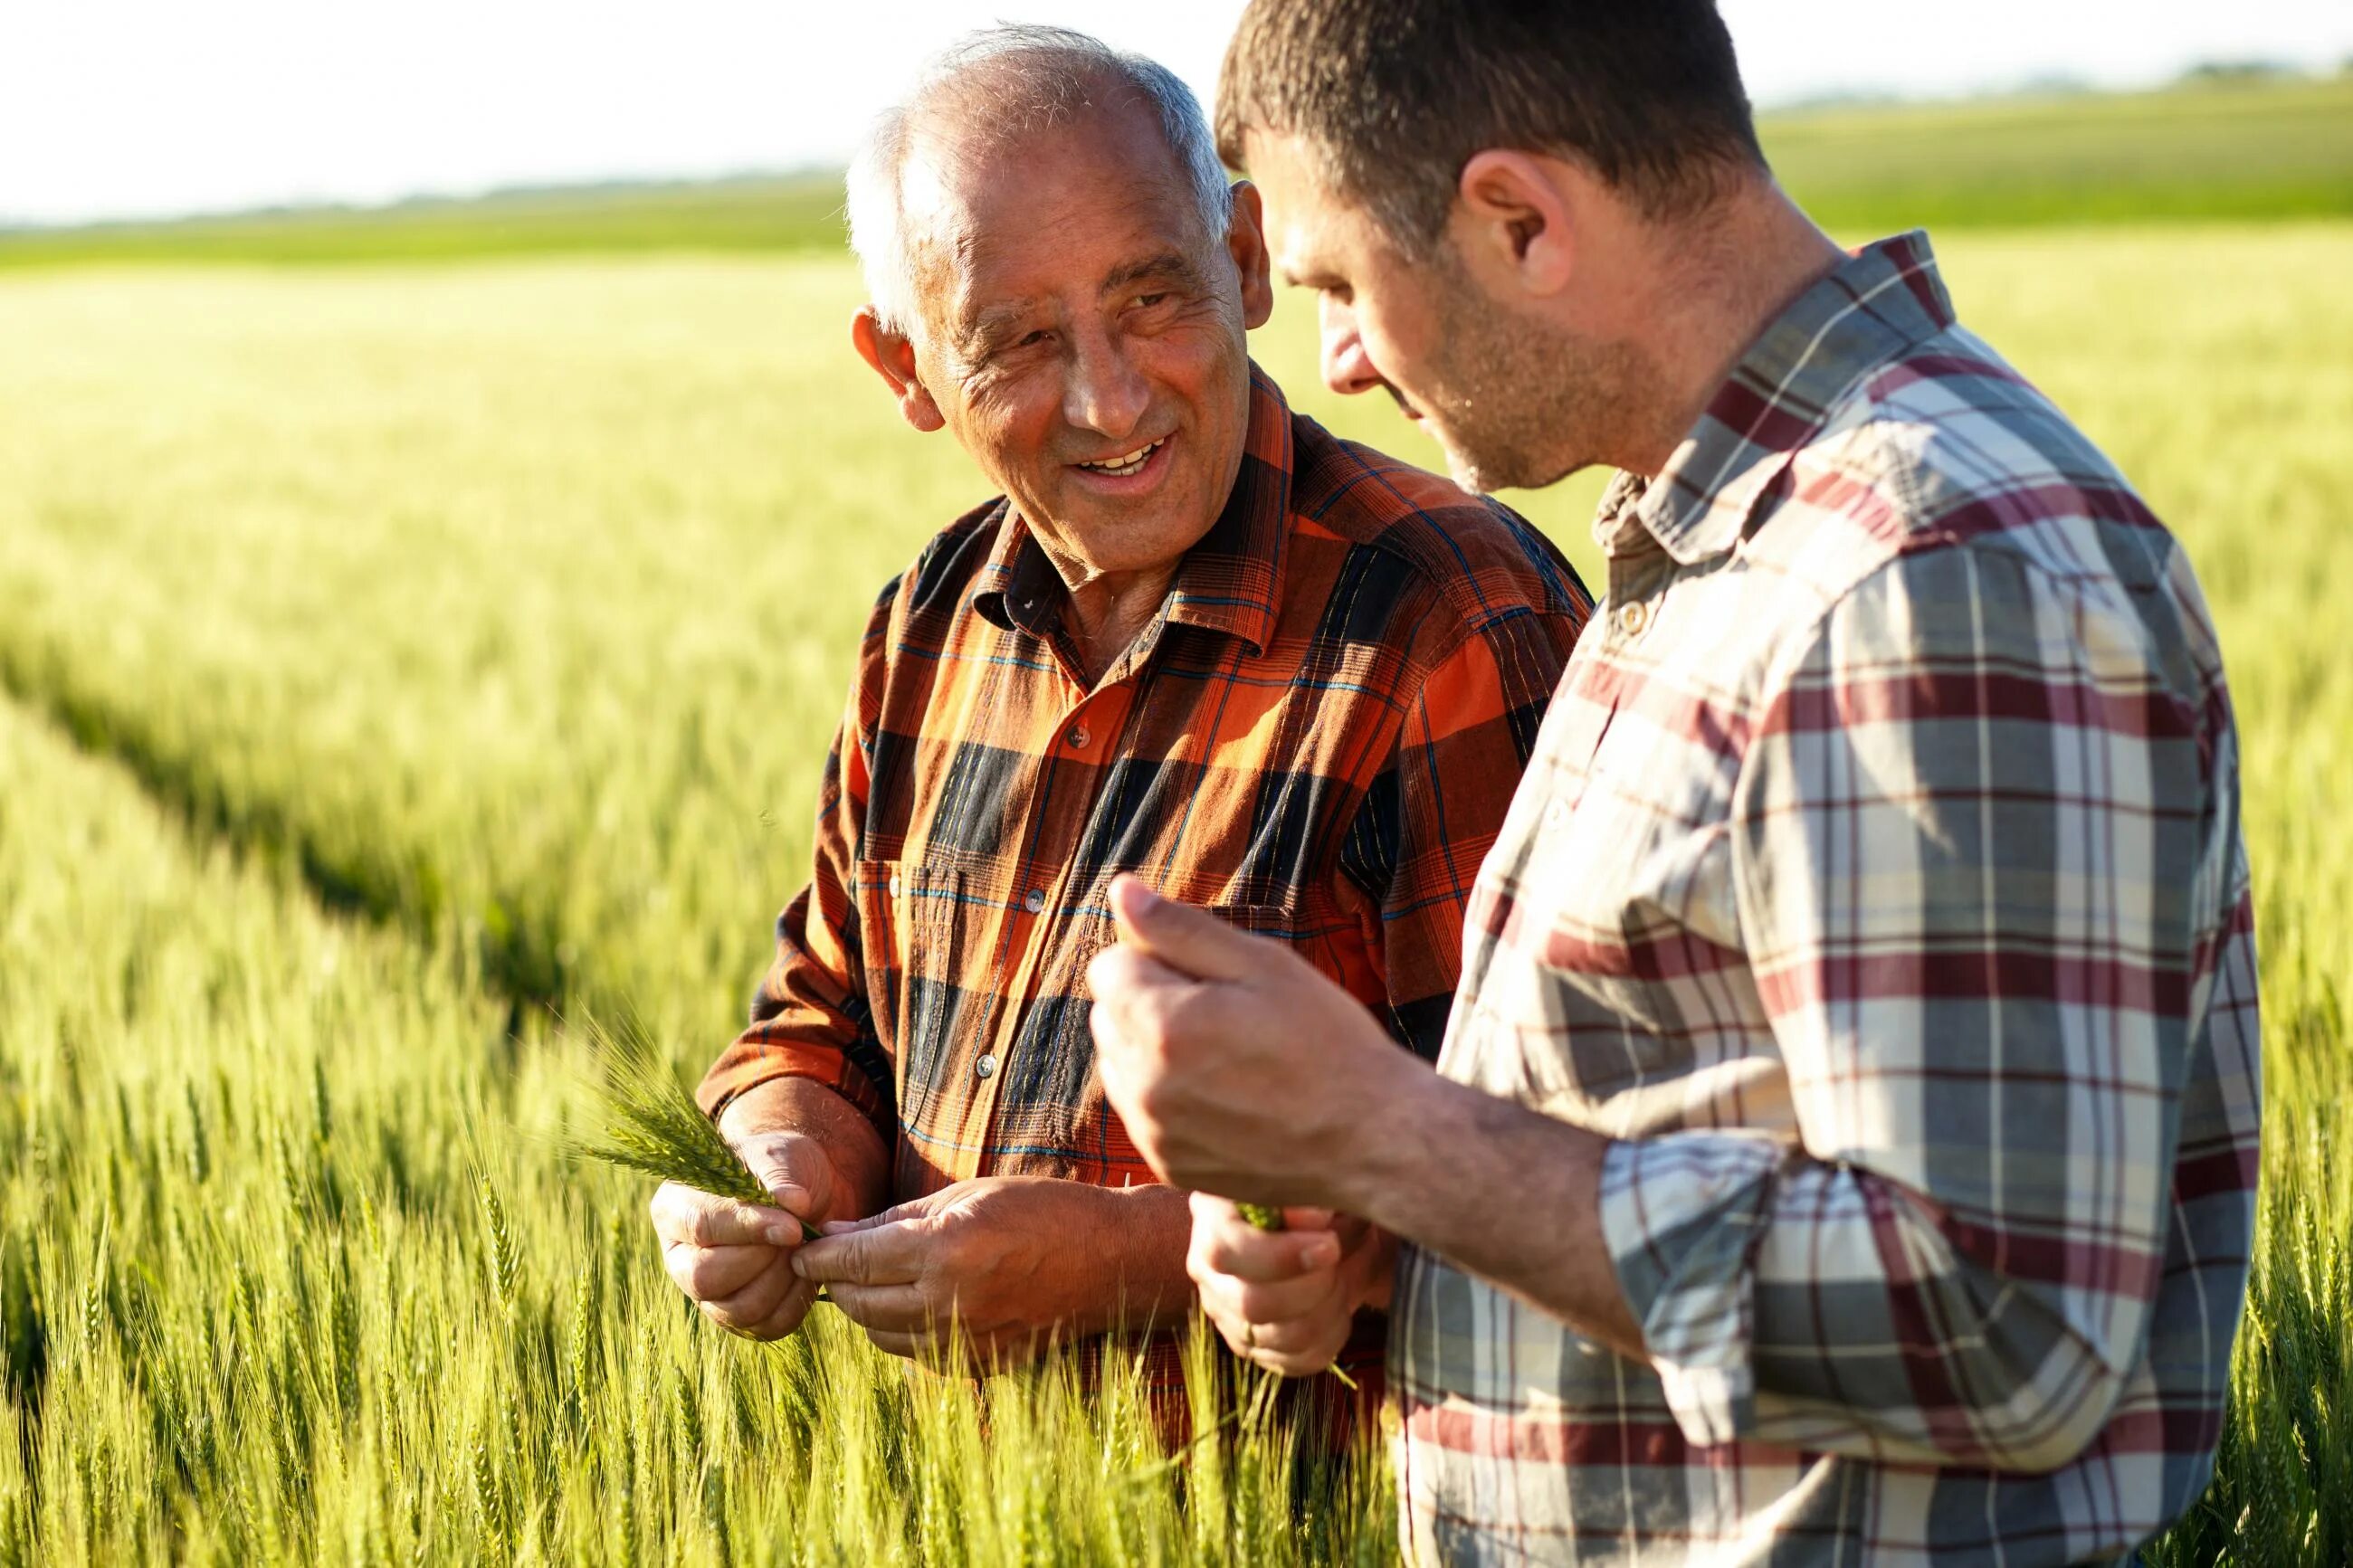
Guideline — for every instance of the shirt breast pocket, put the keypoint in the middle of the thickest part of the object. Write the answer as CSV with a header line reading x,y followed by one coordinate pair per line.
x,y
920,931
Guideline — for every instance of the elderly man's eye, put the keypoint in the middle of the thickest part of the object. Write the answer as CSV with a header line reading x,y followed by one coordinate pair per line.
x,y
1148,301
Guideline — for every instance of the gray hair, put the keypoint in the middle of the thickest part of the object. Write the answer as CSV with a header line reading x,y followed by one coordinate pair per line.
x,y
1017,79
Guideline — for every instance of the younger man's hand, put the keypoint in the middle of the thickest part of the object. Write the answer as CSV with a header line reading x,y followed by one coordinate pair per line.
x,y
1286,1299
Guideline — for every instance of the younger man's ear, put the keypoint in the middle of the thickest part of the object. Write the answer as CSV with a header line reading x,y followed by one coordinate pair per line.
x,y
893,359
1513,216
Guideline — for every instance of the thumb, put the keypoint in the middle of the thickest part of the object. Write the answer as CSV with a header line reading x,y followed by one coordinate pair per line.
x,y
795,1170
1181,937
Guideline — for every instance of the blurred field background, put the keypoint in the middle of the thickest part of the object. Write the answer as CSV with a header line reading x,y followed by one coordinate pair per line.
x,y
396,649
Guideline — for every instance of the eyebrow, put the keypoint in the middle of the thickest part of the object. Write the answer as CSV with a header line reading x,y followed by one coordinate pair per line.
x,y
1172,265
982,330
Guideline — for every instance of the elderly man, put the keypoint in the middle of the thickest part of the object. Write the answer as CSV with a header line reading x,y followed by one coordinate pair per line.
x,y
1196,638
1844,1144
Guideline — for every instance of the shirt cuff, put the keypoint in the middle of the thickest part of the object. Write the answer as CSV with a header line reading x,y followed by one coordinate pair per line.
x,y
1682,1216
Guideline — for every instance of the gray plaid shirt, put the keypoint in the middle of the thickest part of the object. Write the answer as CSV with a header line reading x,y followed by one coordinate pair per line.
x,y
1878,882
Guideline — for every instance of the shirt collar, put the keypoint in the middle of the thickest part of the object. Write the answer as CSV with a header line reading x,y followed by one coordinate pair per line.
x,y
1229,581
1881,301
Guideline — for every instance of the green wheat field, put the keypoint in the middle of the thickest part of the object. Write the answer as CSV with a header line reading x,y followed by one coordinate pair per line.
x,y
399,653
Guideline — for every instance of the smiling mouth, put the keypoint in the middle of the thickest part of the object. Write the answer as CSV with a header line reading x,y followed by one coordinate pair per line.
x,y
1122,467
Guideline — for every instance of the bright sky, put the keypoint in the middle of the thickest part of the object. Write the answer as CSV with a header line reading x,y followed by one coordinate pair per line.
x,y
118,107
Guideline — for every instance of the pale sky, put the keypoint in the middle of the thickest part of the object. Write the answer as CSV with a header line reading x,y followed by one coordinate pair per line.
x,y
122,108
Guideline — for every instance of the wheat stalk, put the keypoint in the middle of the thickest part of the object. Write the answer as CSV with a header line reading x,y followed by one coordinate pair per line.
x,y
644,1119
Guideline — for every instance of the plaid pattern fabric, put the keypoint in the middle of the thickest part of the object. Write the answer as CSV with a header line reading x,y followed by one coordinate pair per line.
x,y
1317,739
1878,882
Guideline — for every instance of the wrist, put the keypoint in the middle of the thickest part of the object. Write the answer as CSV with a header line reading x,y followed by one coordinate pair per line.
x,y
1392,1128
1140,1279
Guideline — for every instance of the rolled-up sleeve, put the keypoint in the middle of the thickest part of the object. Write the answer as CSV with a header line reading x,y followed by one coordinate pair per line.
x,y
1986,873
810,1018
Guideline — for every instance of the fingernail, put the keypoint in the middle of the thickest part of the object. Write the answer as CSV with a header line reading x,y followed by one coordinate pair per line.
x,y
783,1233
1322,1252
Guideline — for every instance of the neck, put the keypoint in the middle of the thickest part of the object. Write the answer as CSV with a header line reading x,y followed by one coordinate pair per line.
x,y
1720,281
1106,614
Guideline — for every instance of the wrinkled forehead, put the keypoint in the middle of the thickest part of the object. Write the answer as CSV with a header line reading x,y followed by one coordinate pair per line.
x,y
992,218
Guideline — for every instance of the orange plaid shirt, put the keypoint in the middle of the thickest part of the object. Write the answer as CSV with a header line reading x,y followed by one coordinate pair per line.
x,y
1317,737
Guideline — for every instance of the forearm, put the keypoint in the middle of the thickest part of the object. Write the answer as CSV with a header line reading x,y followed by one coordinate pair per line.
x,y
1135,1279
860,1161
1501,1191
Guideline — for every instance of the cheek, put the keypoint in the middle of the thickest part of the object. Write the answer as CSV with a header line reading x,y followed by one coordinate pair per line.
x,y
1015,424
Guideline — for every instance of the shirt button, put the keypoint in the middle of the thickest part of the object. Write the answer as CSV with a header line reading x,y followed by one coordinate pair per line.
x,y
1036,902
1078,737
984,1067
1556,814
894,884
1633,619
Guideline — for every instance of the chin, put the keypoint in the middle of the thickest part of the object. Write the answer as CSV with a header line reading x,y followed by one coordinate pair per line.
x,y
1466,470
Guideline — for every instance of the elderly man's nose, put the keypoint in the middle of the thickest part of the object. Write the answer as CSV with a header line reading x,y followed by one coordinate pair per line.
x,y
1105,392
1347,368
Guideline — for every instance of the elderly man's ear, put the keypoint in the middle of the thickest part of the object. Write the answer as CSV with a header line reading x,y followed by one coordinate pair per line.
x,y
893,359
1246,242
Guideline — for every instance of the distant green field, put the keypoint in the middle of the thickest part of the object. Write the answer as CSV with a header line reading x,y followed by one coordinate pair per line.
x,y
784,212
2242,150
2225,149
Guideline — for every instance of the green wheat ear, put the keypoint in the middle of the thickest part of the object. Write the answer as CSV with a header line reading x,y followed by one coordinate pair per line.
x,y
643,1119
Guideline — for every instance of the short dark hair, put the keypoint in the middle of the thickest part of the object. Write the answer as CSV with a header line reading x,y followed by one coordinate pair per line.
x,y
1395,96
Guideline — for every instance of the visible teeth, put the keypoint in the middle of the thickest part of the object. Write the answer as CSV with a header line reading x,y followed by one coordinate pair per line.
x,y
1127,464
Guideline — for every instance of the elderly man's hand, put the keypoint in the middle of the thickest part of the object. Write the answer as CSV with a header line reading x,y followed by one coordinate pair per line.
x,y
1236,1067
735,1260
1286,1299
1000,1265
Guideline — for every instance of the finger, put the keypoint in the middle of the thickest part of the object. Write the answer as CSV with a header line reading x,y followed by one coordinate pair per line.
x,y
786,1316
889,1254
682,1214
904,1309
1134,996
760,1297
1238,1248
1296,1349
1306,1362
890,1215
1183,938
714,1273
793,1166
790,1313
1310,1296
